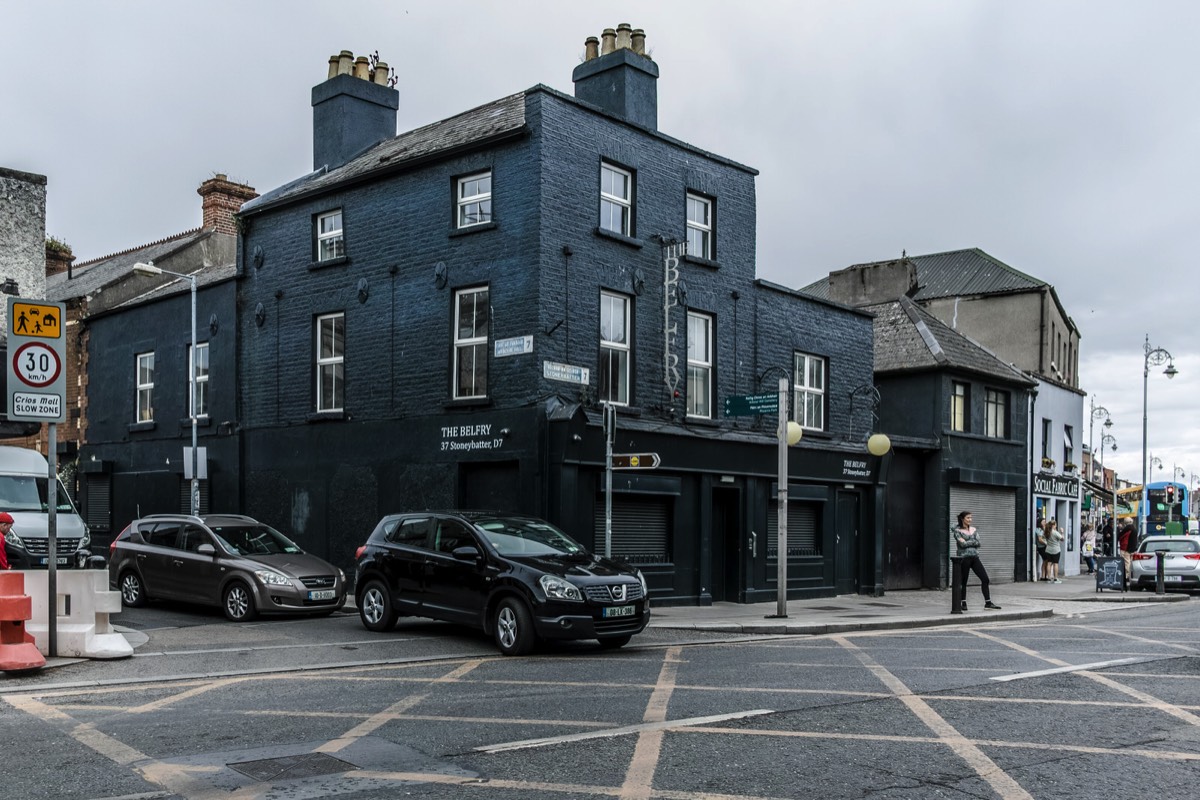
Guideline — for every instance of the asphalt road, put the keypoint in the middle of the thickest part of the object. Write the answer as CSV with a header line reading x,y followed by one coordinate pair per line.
x,y
1097,706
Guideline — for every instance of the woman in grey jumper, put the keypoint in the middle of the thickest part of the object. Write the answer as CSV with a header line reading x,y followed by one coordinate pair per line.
x,y
967,543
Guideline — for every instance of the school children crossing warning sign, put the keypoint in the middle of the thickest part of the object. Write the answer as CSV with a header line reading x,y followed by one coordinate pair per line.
x,y
36,354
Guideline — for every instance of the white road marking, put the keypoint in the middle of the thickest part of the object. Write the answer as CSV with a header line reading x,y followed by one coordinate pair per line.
x,y
1070,668
664,725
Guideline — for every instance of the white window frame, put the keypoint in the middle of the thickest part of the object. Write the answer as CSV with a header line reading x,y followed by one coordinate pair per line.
x,y
614,349
612,204
960,411
700,231
699,365
474,340
331,368
809,384
144,362
200,411
475,207
331,240
995,404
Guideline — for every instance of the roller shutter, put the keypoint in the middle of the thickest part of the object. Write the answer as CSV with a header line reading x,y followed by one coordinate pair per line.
x,y
98,501
185,496
994,514
639,528
801,529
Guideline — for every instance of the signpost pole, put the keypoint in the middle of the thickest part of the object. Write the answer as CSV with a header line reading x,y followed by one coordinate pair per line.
x,y
782,548
52,541
610,422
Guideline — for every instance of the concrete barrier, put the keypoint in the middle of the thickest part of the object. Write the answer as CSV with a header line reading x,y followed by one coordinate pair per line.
x,y
84,606
17,650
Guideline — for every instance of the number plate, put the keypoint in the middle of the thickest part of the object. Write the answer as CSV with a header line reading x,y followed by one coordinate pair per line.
x,y
59,561
1169,578
617,611
323,594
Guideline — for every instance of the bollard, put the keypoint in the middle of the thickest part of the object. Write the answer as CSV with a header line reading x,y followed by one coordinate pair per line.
x,y
1159,580
956,587
18,653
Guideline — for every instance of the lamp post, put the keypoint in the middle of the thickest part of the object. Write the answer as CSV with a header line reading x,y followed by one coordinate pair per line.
x,y
1156,356
151,269
1107,440
788,433
1096,412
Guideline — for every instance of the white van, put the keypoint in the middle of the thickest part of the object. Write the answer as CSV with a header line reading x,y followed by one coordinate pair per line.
x,y
24,483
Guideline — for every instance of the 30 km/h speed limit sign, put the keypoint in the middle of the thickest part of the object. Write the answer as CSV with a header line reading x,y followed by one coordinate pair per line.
x,y
36,351
36,364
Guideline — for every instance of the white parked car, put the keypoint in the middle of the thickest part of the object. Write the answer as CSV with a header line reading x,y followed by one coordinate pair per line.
x,y
1181,563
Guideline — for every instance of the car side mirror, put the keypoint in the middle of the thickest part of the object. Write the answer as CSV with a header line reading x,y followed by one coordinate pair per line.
x,y
206,549
466,553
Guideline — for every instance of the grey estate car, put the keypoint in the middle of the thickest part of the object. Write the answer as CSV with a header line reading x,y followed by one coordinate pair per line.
x,y
225,560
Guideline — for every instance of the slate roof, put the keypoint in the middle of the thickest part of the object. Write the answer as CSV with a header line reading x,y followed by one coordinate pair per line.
x,y
955,273
89,276
499,117
205,276
908,339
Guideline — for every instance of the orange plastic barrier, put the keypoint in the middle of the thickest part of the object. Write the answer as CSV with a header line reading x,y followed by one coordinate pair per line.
x,y
17,649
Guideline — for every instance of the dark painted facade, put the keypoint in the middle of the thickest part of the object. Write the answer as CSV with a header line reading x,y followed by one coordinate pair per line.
x,y
325,468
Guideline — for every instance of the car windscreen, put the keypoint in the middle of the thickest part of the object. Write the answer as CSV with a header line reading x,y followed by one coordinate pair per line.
x,y
254,540
1170,545
527,537
26,493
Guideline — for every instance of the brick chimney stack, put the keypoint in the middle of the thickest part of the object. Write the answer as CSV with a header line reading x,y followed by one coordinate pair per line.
x,y
222,199
58,258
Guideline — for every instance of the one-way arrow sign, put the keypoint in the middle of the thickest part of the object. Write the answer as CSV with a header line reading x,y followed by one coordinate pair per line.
x,y
635,460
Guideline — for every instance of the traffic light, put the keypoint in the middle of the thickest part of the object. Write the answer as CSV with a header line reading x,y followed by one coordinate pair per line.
x,y
1170,494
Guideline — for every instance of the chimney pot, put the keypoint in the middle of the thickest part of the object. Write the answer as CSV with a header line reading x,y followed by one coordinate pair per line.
x,y
333,67
608,41
639,41
345,63
362,68
381,73
591,48
624,31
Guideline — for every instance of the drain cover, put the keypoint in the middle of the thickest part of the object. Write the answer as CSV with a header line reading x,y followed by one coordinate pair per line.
x,y
305,765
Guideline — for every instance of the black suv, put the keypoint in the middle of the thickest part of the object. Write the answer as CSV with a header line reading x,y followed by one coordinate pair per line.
x,y
517,578
225,560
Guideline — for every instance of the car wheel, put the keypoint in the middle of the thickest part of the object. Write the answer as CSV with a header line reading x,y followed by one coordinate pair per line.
x,y
513,628
133,594
238,602
614,642
375,608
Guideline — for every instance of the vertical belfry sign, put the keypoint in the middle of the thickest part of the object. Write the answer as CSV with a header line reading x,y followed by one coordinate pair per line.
x,y
671,255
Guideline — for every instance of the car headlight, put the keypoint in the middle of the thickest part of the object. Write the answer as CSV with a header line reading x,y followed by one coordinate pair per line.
x,y
559,589
272,578
14,540
341,575
642,580
86,541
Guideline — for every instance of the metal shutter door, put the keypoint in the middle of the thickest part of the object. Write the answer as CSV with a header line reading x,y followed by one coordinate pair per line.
x,y
185,496
994,513
802,529
639,529
98,507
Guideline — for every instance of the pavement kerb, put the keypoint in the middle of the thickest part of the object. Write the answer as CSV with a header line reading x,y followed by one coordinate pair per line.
x,y
821,628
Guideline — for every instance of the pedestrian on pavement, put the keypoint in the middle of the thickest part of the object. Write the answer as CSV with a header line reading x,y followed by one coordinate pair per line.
x,y
966,540
1043,565
6,522
1127,541
1054,539
1087,548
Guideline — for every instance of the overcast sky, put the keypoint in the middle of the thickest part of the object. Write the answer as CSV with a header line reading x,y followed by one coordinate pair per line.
x,y
1063,138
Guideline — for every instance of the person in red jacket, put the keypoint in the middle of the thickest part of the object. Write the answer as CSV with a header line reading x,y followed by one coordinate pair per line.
x,y
6,522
